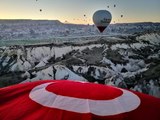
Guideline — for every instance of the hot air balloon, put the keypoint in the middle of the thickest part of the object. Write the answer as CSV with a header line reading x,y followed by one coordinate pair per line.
x,y
85,17
73,100
102,19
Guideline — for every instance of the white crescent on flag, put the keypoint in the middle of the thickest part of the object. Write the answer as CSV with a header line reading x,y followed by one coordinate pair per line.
x,y
126,102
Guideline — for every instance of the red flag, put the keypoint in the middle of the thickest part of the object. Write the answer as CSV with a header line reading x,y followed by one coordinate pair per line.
x,y
69,100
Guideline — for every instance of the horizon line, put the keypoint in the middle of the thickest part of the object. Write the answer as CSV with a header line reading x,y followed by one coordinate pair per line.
x,y
71,23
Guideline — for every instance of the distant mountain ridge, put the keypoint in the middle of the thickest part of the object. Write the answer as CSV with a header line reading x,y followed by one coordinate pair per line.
x,y
49,29
25,20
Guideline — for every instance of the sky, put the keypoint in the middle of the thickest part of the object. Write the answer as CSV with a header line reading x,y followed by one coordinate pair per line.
x,y
73,11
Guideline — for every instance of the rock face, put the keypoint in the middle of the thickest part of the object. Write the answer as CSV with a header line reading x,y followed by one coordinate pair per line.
x,y
119,61
45,30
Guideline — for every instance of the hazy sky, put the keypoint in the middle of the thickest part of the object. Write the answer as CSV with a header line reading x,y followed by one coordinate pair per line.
x,y
73,10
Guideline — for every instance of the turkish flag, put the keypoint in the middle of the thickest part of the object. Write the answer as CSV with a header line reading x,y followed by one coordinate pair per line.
x,y
70,100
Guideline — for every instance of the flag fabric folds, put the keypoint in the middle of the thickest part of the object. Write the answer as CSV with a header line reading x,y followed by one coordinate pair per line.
x,y
72,100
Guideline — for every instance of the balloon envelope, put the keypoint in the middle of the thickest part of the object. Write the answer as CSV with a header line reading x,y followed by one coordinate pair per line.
x,y
69,100
102,19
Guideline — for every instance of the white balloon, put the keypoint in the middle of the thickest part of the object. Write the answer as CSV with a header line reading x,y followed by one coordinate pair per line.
x,y
102,19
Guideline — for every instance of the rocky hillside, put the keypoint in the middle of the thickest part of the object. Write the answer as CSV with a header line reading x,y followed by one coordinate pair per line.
x,y
131,62
49,29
